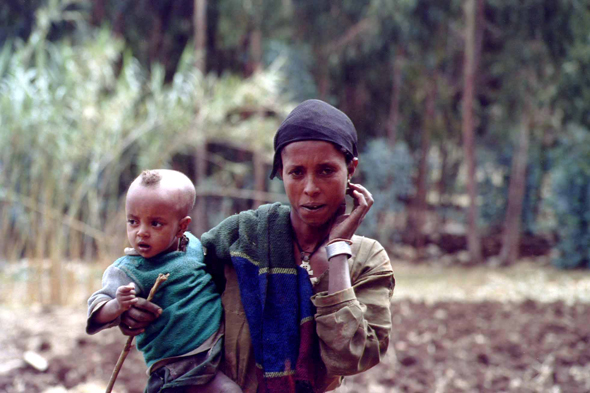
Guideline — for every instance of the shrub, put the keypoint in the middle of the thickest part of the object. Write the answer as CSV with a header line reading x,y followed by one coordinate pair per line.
x,y
570,184
387,174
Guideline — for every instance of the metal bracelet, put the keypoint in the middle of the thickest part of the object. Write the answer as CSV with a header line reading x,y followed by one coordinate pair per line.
x,y
338,248
339,239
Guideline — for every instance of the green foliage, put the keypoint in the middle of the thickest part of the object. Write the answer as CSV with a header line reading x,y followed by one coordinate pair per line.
x,y
17,19
571,199
494,165
534,206
574,94
295,65
126,96
495,168
387,173
81,123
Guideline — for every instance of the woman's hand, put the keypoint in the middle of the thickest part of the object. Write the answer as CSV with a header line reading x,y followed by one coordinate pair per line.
x,y
345,225
142,314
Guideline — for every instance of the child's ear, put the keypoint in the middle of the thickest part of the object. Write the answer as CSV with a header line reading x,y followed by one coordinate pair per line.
x,y
183,225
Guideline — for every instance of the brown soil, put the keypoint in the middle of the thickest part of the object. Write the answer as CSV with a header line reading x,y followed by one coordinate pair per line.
x,y
440,347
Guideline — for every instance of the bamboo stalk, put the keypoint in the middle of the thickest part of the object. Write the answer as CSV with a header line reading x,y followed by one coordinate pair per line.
x,y
13,197
57,251
161,278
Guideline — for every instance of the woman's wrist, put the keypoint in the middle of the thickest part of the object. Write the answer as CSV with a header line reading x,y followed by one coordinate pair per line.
x,y
339,277
338,247
339,239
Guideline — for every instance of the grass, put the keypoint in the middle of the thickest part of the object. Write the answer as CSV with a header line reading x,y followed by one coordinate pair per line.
x,y
524,280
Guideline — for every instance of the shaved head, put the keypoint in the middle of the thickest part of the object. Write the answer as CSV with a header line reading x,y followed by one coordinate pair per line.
x,y
179,189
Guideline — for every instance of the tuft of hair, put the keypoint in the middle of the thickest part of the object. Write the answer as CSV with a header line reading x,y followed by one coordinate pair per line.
x,y
150,178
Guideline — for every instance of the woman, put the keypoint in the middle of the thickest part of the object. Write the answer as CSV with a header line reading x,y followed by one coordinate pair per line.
x,y
306,301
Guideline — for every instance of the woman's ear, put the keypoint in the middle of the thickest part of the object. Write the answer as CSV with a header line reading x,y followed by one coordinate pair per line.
x,y
352,167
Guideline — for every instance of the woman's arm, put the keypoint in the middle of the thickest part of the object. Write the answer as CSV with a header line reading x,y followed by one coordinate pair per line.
x,y
354,324
142,314
344,227
216,243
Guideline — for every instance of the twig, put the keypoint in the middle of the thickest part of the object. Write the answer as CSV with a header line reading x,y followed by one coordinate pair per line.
x,y
161,278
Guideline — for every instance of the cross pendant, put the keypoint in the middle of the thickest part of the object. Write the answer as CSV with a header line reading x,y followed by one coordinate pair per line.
x,y
305,264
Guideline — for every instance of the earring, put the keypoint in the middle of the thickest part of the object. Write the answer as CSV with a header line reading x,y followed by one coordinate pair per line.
x,y
182,243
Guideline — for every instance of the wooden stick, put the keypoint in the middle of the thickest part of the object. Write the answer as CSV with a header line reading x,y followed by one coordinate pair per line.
x,y
161,278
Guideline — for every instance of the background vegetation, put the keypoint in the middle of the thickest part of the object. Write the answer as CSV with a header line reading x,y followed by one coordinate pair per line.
x,y
473,117
474,126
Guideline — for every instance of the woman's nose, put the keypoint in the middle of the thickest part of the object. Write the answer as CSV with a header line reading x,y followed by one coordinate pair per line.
x,y
311,187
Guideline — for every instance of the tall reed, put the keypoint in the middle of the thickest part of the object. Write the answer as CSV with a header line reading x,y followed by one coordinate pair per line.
x,y
80,118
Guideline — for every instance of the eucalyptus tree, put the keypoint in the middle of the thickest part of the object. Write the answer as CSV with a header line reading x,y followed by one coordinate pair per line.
x,y
470,73
415,48
528,42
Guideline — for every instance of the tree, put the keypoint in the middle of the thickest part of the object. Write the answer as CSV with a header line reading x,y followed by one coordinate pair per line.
x,y
516,190
534,41
200,27
473,237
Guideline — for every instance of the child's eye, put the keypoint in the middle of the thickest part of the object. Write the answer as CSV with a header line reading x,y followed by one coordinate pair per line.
x,y
131,221
156,224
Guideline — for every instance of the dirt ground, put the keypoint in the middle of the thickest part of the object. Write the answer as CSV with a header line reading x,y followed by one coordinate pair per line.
x,y
445,346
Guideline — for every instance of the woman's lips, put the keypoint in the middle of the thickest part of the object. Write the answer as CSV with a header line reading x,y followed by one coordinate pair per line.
x,y
312,208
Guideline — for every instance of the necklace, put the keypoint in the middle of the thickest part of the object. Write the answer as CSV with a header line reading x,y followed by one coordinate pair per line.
x,y
306,257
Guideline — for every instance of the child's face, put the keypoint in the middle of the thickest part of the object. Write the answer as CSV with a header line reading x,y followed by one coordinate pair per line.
x,y
153,222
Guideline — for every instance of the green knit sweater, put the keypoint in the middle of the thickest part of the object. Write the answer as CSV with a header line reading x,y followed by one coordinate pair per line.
x,y
191,305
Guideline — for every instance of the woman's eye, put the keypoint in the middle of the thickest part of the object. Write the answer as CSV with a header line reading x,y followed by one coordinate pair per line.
x,y
327,171
296,172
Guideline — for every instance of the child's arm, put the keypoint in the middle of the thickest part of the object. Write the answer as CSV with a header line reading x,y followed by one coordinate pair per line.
x,y
124,300
112,279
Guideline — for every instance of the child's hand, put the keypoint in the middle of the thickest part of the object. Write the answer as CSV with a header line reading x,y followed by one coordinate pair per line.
x,y
126,296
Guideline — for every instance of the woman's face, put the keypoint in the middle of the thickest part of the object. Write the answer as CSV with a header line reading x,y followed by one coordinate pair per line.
x,y
315,175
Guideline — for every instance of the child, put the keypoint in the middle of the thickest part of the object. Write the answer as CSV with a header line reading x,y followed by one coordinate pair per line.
x,y
183,347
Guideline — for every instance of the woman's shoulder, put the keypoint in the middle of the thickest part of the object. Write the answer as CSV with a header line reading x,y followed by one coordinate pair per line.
x,y
366,244
245,222
369,254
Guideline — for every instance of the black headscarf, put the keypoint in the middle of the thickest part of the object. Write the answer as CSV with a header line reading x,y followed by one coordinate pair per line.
x,y
315,120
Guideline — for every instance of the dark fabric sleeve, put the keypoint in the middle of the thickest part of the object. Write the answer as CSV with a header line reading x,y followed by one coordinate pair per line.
x,y
216,244
354,324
